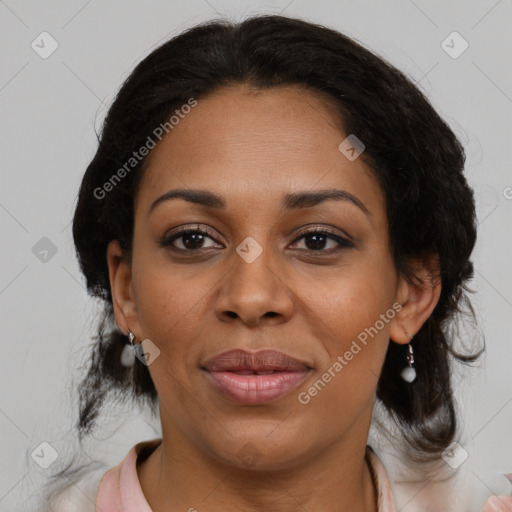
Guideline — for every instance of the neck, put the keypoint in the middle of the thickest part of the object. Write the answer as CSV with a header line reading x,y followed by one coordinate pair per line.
x,y
177,476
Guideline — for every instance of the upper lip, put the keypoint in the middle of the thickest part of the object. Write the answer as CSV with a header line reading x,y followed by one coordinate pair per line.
x,y
263,360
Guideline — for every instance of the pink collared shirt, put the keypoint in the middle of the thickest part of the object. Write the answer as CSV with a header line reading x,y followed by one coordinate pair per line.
x,y
120,490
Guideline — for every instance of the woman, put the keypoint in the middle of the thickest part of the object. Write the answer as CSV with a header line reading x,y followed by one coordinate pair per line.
x,y
279,225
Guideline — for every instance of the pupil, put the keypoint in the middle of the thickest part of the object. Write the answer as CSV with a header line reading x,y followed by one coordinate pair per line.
x,y
196,237
318,243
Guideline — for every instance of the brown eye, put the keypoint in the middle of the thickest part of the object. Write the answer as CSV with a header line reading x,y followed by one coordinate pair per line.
x,y
190,239
316,240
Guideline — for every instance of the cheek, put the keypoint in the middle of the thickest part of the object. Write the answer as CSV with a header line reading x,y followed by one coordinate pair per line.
x,y
170,306
354,346
352,318
352,299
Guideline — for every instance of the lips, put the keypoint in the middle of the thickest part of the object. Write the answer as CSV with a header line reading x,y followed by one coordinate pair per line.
x,y
255,377
254,362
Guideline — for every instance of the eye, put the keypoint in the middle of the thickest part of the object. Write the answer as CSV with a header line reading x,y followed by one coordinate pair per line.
x,y
316,239
193,239
190,239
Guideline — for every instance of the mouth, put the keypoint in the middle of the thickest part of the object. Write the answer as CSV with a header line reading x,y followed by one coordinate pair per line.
x,y
255,377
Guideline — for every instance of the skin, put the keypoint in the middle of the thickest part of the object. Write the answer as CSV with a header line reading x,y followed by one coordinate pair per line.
x,y
252,148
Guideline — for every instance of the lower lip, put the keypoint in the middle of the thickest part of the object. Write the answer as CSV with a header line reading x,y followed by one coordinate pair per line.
x,y
256,389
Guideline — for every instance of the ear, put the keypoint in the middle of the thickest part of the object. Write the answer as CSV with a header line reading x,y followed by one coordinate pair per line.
x,y
418,299
123,299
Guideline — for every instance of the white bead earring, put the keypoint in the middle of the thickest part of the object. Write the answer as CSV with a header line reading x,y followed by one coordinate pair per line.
x,y
409,373
128,353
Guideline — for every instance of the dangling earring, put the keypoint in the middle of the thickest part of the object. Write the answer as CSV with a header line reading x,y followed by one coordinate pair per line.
x,y
409,373
128,353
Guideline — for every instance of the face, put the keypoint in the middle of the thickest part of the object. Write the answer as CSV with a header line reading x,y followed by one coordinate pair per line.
x,y
263,266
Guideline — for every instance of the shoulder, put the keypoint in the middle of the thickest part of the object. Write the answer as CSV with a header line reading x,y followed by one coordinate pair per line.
x,y
424,488
80,494
83,492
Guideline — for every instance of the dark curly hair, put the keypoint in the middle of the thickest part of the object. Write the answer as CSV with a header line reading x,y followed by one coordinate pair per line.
x,y
412,152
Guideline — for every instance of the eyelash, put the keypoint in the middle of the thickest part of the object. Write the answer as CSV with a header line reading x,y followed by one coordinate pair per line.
x,y
344,243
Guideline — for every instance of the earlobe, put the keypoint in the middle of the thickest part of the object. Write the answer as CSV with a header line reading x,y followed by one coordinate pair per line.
x,y
418,299
123,300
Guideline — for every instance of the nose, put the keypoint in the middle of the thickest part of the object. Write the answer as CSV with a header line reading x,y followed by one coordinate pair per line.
x,y
254,292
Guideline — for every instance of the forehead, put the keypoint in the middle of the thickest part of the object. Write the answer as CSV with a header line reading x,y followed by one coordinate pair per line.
x,y
252,146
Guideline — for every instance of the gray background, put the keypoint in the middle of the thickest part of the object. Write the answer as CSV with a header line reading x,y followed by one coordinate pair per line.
x,y
49,110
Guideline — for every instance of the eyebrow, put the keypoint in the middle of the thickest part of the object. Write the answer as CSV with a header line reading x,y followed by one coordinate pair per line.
x,y
290,202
